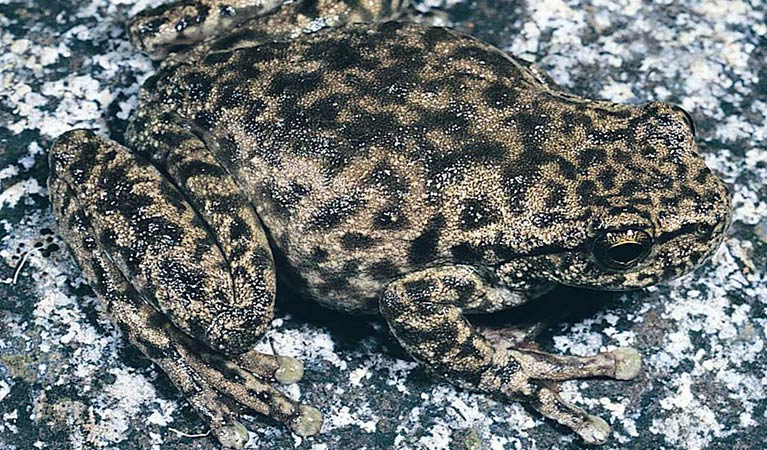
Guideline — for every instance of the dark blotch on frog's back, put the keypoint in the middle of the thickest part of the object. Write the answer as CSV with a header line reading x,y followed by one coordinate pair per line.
x,y
477,213
516,180
284,199
197,167
591,157
556,196
205,120
384,270
574,120
253,109
337,56
294,86
198,86
424,247
386,176
390,218
83,166
499,96
333,212
354,241
469,155
453,120
326,110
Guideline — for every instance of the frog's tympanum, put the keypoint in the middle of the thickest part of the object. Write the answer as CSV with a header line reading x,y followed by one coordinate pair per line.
x,y
377,167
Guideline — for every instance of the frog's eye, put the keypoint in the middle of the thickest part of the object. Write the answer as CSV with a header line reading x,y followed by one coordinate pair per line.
x,y
621,250
687,118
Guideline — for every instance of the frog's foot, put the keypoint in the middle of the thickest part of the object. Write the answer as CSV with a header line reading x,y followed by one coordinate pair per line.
x,y
536,371
225,384
424,311
218,387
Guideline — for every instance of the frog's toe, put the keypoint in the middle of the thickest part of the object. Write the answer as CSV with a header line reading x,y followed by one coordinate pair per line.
x,y
291,370
220,387
283,369
308,422
546,399
249,379
622,364
232,435
252,386
594,431
628,361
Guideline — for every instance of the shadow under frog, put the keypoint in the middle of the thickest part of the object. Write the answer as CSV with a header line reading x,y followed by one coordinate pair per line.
x,y
389,168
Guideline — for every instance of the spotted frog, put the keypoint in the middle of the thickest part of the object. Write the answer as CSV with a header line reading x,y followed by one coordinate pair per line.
x,y
377,167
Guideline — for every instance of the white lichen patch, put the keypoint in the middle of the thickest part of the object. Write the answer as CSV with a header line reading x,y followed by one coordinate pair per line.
x,y
306,343
119,403
362,418
5,389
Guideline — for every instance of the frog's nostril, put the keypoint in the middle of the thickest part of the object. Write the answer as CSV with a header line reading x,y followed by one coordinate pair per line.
x,y
704,229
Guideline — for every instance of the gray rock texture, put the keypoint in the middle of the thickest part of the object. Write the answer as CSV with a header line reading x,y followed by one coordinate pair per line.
x,y
68,380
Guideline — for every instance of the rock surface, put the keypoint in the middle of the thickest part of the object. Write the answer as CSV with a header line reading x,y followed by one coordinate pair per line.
x,y
68,380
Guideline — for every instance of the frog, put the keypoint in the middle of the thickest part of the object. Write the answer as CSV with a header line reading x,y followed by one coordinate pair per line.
x,y
382,167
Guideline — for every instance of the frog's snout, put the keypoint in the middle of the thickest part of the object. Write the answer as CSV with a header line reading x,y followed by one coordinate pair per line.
x,y
669,118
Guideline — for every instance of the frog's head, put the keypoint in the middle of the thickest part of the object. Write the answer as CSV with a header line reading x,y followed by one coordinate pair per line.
x,y
649,209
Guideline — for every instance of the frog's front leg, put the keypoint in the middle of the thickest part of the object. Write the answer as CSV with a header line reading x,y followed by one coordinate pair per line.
x,y
425,312
176,289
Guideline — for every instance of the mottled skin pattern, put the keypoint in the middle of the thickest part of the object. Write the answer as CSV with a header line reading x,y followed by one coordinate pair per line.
x,y
388,168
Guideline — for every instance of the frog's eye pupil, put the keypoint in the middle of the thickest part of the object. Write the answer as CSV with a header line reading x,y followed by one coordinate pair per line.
x,y
625,253
622,250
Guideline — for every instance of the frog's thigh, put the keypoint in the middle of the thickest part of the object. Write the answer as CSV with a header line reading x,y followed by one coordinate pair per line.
x,y
239,234
425,312
234,227
208,268
203,376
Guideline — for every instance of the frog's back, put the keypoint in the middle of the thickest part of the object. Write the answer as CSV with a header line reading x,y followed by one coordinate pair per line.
x,y
353,143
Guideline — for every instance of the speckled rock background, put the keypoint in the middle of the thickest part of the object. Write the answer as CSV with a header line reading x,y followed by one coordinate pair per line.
x,y
68,380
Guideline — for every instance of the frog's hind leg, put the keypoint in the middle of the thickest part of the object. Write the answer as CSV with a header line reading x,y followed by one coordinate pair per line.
x,y
425,312
173,26
144,249
178,25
